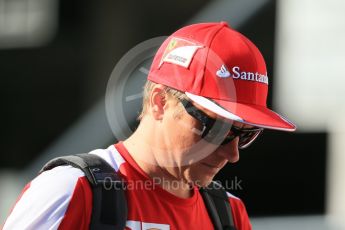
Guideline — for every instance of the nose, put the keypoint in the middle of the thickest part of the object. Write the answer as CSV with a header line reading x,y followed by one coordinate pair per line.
x,y
230,151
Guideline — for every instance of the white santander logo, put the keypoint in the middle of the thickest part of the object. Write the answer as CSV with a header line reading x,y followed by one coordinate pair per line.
x,y
223,72
243,75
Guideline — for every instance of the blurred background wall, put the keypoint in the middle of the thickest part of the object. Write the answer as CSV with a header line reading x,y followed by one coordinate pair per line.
x,y
56,57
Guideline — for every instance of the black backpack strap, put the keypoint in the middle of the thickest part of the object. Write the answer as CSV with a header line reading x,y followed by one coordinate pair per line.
x,y
218,206
109,206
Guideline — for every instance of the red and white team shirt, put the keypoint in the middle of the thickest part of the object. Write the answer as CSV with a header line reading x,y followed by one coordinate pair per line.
x,y
61,198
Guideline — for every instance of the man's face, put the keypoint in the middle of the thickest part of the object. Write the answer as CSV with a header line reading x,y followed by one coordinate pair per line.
x,y
201,160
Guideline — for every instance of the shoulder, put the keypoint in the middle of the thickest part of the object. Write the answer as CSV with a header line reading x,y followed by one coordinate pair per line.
x,y
236,202
59,179
45,200
58,197
239,212
111,155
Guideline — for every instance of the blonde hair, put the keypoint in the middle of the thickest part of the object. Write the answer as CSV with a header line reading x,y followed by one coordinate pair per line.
x,y
168,91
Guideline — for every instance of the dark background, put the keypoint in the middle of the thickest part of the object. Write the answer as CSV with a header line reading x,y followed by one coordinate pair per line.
x,y
46,89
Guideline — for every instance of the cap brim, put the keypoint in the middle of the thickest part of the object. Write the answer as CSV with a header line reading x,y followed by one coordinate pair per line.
x,y
255,115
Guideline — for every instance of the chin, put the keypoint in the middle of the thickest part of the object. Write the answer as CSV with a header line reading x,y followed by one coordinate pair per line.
x,y
202,182
205,184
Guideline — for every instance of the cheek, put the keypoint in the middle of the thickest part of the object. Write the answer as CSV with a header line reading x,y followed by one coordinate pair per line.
x,y
184,128
185,137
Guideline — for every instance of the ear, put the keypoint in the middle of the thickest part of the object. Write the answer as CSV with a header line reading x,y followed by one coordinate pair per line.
x,y
157,102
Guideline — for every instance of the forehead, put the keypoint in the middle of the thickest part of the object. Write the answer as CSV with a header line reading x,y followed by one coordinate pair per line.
x,y
216,116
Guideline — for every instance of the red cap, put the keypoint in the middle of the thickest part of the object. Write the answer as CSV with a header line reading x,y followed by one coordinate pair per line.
x,y
219,69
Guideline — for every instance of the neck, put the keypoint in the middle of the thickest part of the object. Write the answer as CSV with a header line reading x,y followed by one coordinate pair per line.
x,y
146,147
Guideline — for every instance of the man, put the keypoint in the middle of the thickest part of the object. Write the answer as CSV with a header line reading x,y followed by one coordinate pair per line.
x,y
204,99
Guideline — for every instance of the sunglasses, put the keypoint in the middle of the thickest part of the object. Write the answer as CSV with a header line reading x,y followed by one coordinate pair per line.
x,y
220,132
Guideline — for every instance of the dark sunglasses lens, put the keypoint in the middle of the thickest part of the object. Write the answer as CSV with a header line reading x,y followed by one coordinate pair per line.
x,y
228,139
246,138
216,132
